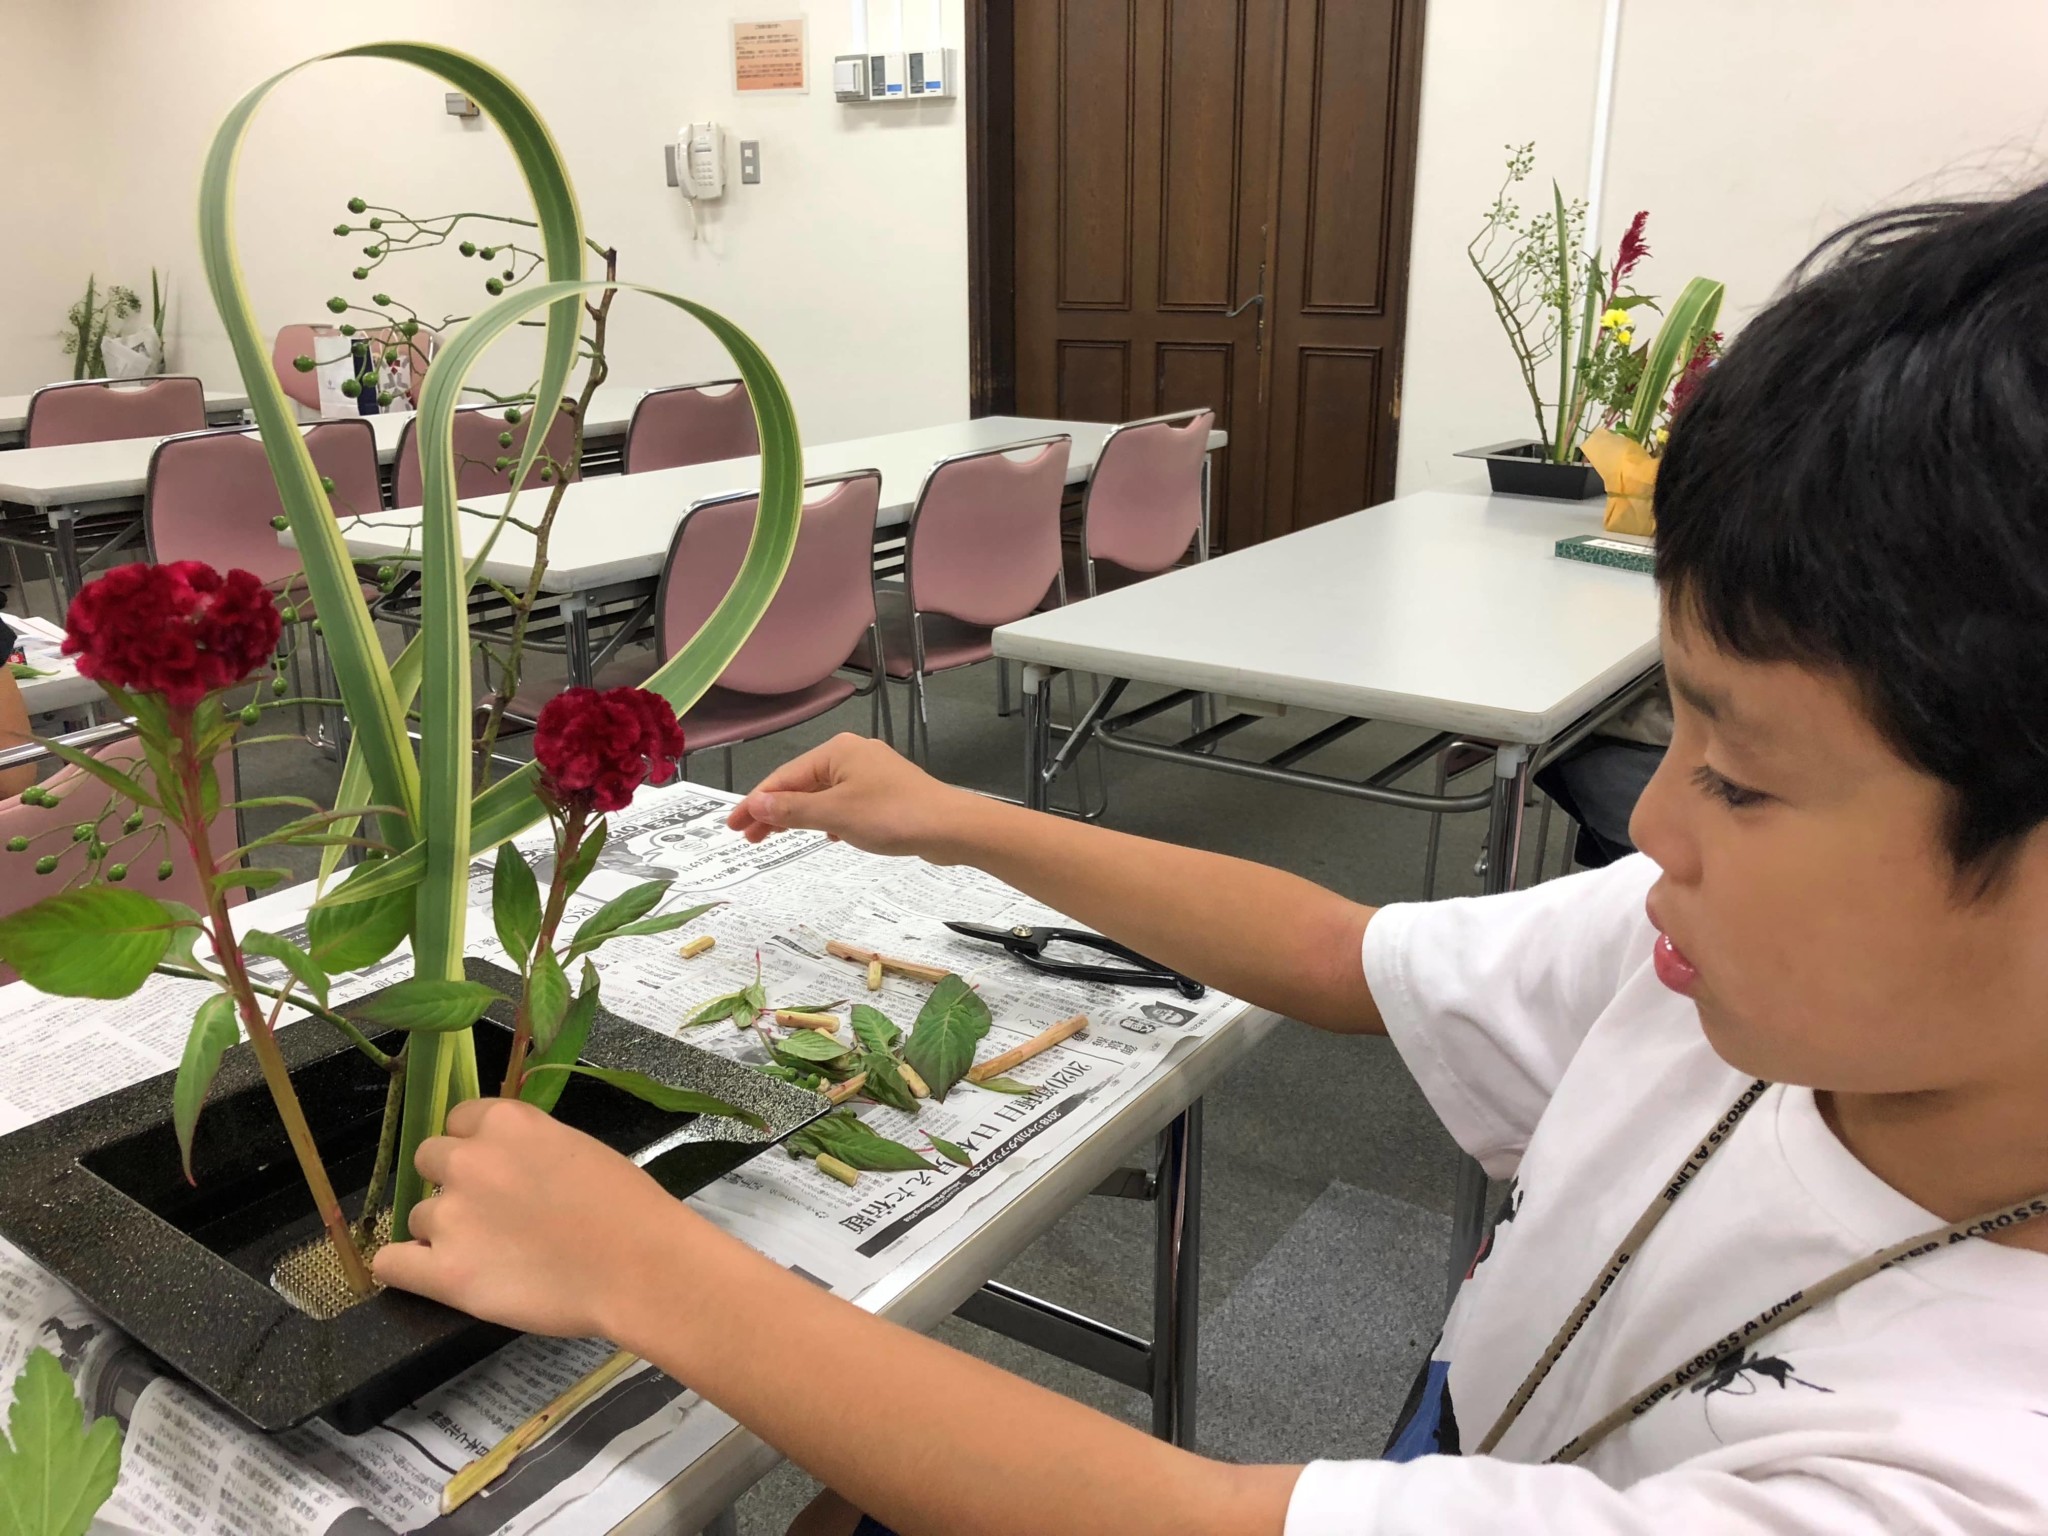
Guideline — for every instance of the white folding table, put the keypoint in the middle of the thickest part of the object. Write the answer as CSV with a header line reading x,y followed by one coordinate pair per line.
x,y
612,535
1444,609
101,484
222,406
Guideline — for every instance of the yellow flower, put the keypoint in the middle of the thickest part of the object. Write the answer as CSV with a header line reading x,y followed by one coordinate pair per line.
x,y
1614,320
1624,334
1663,436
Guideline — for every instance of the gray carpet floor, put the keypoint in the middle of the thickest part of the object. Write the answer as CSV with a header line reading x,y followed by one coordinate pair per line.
x,y
1328,1179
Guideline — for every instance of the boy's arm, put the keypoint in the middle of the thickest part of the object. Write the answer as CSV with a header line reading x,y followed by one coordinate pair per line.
x,y
1271,938
537,1226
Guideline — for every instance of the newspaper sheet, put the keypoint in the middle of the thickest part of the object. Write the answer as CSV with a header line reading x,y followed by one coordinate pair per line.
x,y
190,1466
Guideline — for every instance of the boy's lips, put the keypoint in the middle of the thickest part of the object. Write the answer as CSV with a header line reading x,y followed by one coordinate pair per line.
x,y
1673,969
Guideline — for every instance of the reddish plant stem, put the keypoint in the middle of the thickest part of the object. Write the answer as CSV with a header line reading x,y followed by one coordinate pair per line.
x,y
227,950
574,821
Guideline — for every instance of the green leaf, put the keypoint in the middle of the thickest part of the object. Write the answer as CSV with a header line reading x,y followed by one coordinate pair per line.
x,y
1004,1085
100,941
729,1006
543,1091
676,1101
585,859
666,922
547,998
949,1151
296,960
185,937
425,1004
874,1029
809,1045
351,935
257,878
847,1137
21,671
1691,319
214,1029
631,907
885,1083
515,904
119,782
942,1041
56,1473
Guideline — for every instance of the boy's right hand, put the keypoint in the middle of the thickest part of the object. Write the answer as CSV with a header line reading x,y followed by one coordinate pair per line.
x,y
859,791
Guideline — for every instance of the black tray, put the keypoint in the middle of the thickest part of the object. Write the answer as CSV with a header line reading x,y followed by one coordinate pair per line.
x,y
96,1196
1523,468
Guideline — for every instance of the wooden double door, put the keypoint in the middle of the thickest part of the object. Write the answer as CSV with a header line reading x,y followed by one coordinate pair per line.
x,y
1208,204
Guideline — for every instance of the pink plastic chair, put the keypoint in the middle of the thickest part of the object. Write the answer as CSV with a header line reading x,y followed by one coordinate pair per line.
x,y
477,451
323,343
983,549
49,830
690,424
1148,498
99,410
786,673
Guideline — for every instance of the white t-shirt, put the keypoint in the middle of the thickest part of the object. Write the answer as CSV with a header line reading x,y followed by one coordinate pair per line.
x,y
1916,1401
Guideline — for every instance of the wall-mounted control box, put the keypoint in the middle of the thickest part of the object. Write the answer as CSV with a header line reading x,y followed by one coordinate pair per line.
x,y
885,78
850,77
930,72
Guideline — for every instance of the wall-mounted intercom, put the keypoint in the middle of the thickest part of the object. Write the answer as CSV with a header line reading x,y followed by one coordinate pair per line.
x,y
696,166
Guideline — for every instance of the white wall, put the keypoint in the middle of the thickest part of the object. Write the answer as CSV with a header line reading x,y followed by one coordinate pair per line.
x,y
1748,128
847,263
51,222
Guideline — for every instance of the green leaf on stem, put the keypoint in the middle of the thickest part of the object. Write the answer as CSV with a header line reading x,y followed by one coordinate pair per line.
x,y
543,1091
730,1006
214,1029
547,998
515,904
808,1045
635,904
874,1028
99,941
426,1005
350,935
257,877
942,1041
885,1084
295,960
847,1137
120,783
949,1151
675,1101
56,1473
585,859
1004,1085
185,936
665,922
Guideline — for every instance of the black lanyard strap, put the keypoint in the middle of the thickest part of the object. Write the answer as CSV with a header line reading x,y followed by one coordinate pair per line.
x,y
1706,1361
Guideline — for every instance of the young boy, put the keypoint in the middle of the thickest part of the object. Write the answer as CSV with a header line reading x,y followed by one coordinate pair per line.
x,y
1810,1023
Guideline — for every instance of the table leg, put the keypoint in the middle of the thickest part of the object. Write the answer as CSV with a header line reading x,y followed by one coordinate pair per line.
x,y
1503,851
1176,1279
64,523
727,1524
1036,688
576,615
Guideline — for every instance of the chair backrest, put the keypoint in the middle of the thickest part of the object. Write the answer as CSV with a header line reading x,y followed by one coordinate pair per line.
x,y
691,424
418,351
322,343
1144,501
477,451
823,608
984,542
210,496
98,410
49,831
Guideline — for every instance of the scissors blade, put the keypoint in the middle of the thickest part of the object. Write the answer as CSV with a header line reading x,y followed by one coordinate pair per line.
x,y
982,931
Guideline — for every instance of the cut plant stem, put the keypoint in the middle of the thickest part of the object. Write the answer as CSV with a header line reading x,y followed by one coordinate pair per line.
x,y
823,1023
697,946
487,1468
833,1168
919,1089
839,1093
1017,1055
917,970
574,820
387,1149
874,975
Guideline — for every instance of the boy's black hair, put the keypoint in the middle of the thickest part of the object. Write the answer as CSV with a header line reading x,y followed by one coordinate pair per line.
x,y
1860,484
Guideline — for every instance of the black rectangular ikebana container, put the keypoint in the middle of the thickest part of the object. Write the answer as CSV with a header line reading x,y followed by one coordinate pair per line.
x,y
1523,468
96,1195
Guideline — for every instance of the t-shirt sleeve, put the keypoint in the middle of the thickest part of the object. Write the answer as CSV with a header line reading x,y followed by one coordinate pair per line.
x,y
1488,997
1945,1472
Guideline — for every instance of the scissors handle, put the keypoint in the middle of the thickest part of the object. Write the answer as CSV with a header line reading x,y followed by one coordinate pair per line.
x,y
1149,972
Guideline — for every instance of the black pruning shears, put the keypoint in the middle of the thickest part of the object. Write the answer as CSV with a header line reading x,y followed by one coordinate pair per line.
x,y
1029,945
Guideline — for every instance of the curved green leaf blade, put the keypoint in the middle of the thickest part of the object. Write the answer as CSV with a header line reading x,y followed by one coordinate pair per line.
x,y
55,1473
809,1045
515,904
635,904
543,1091
348,932
1689,322
101,941
885,1084
425,1004
874,1028
547,999
942,1041
120,783
214,1029
675,1101
293,958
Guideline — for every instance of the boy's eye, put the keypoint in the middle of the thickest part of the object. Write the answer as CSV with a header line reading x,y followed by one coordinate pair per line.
x,y
1726,790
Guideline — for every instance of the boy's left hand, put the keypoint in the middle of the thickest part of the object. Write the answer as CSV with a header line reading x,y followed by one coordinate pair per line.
x,y
535,1225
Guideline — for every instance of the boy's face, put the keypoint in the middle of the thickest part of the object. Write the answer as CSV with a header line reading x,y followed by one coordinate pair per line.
x,y
1809,900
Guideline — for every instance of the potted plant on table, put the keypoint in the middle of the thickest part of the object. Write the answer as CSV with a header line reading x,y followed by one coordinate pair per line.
x,y
361,1083
1571,317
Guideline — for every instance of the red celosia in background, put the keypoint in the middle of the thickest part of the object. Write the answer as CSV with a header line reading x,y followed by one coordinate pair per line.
x,y
181,630
598,747
1696,368
1635,245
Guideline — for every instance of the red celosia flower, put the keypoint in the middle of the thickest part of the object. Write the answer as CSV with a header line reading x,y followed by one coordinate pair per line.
x,y
181,630
1634,247
598,747
1695,370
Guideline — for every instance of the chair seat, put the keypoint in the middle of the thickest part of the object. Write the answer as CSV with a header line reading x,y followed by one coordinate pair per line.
x,y
948,643
721,718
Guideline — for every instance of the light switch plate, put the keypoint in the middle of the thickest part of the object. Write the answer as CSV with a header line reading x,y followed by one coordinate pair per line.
x,y
750,162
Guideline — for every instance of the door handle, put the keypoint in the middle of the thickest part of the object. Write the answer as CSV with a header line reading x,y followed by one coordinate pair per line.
x,y
1257,298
